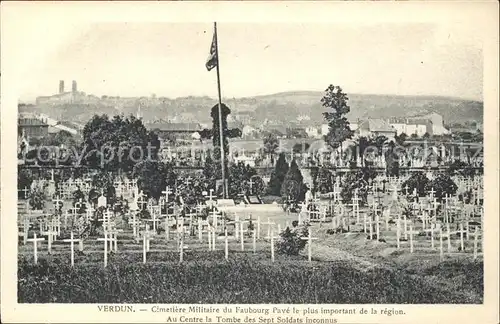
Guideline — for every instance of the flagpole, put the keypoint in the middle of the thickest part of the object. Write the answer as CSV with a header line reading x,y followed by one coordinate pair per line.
x,y
221,134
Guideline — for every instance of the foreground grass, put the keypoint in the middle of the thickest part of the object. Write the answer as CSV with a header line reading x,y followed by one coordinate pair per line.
x,y
240,280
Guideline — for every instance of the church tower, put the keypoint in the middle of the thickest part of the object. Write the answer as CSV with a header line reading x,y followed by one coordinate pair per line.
x,y
61,86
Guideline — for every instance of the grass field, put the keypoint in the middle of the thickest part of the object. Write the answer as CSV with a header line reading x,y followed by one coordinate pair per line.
x,y
246,278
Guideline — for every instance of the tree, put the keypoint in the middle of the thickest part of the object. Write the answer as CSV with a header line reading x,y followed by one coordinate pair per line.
x,y
426,135
153,177
339,128
380,142
103,182
442,185
60,138
37,199
118,143
418,181
478,136
357,180
293,186
414,136
278,175
458,167
24,180
401,138
274,132
239,179
391,161
271,144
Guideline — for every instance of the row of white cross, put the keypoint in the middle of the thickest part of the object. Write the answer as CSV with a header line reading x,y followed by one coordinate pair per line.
x,y
110,237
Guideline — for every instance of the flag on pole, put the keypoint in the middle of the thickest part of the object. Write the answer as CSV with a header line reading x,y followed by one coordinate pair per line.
x,y
212,58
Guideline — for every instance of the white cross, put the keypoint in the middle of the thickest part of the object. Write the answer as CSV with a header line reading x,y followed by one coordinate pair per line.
x,y
215,216
141,200
51,234
412,232
26,191
79,204
135,224
145,239
269,227
242,222
476,233
251,185
35,241
26,226
272,244
57,200
105,240
309,239
72,241
114,239
432,192
181,249
210,197
148,237
167,192
226,249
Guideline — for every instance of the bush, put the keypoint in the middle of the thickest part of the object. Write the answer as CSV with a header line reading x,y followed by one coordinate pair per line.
x,y
357,180
153,177
443,185
240,176
460,168
325,180
290,242
24,180
419,181
37,199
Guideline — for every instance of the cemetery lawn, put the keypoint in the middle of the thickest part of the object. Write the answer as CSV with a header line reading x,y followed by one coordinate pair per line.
x,y
205,277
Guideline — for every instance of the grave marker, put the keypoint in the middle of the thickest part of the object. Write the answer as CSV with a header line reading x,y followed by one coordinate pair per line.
x,y
309,239
72,240
105,240
35,241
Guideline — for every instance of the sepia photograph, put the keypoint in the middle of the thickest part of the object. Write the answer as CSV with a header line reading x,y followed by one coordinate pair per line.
x,y
216,162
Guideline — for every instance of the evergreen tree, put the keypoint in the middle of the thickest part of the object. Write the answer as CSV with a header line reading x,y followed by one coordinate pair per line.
x,y
324,180
293,186
339,127
278,175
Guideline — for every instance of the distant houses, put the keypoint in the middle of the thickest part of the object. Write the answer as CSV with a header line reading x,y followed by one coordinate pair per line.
x,y
32,127
35,125
376,127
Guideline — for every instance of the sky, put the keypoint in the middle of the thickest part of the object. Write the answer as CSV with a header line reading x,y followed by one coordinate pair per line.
x,y
168,59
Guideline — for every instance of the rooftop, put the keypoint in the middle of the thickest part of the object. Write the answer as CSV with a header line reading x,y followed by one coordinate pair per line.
x,y
376,125
175,127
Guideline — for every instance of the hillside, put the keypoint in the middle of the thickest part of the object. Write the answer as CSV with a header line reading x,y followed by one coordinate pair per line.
x,y
279,107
